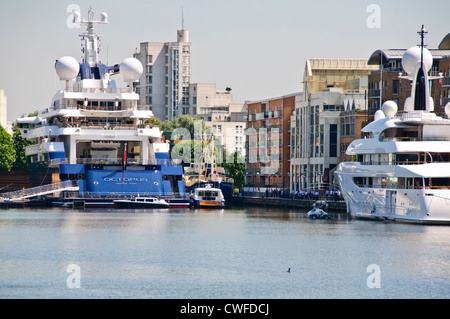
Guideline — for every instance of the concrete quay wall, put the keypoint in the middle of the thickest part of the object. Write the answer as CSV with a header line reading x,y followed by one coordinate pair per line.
x,y
334,206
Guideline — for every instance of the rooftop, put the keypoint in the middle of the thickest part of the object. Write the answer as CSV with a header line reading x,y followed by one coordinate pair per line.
x,y
397,54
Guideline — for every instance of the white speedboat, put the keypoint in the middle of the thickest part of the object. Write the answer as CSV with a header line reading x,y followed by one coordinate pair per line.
x,y
402,167
141,202
207,197
319,210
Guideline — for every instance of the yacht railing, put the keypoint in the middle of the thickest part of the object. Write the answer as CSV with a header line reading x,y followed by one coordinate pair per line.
x,y
97,108
401,162
99,90
130,161
414,139
107,126
120,195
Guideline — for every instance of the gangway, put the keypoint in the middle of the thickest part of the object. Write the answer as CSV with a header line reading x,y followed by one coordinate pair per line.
x,y
39,190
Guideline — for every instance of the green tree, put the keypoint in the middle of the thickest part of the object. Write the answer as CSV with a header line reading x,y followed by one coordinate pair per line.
x,y
184,121
236,169
7,152
19,146
154,120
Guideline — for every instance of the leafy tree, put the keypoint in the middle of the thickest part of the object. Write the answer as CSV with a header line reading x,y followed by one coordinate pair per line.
x,y
7,152
184,121
236,170
154,120
19,146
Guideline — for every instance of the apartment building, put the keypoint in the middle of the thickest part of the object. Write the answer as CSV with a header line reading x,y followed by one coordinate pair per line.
x,y
164,84
333,101
4,113
267,141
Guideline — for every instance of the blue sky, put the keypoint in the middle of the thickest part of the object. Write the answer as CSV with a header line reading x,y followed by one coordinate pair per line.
x,y
256,47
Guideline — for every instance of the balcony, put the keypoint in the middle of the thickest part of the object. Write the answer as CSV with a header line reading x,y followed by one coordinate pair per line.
x,y
32,149
374,93
445,82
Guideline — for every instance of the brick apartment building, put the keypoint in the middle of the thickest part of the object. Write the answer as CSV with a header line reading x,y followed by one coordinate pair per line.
x,y
267,141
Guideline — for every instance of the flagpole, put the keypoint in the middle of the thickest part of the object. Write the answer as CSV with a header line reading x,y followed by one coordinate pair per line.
x,y
124,164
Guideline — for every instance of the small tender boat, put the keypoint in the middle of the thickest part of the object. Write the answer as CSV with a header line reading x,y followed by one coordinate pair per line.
x,y
319,210
207,197
141,202
179,202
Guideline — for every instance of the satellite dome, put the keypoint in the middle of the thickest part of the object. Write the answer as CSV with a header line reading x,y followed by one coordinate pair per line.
x,y
409,105
131,69
412,56
379,115
104,17
389,108
447,109
67,68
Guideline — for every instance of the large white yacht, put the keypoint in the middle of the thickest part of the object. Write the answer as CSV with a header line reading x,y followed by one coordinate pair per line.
x,y
402,168
96,134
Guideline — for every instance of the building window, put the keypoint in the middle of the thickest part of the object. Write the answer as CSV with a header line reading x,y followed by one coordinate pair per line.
x,y
186,49
149,100
333,140
186,80
186,70
186,59
395,86
149,80
149,90
149,69
149,58
194,100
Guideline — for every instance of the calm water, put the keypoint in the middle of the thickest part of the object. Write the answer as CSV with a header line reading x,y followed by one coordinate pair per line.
x,y
217,254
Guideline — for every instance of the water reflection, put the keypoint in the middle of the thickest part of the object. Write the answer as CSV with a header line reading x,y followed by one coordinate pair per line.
x,y
227,253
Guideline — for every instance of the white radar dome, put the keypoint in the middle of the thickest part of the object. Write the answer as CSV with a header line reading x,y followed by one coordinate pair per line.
x,y
389,108
131,69
412,56
67,68
379,115
447,109
409,105
104,17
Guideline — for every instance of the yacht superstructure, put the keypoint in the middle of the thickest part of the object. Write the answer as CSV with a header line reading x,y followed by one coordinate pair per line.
x,y
97,133
402,168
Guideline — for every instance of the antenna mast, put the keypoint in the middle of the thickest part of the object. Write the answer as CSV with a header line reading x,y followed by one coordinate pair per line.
x,y
91,40
182,19
422,33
